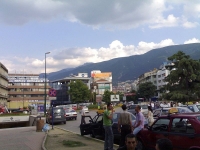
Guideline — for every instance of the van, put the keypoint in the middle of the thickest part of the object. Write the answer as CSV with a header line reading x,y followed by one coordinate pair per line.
x,y
58,115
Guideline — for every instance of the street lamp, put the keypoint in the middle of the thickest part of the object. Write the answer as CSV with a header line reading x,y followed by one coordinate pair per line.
x,y
45,86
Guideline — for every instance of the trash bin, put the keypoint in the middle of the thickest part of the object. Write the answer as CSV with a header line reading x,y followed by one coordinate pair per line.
x,y
39,124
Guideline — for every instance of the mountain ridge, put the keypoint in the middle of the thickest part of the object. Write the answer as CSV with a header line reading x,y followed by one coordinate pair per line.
x,y
131,67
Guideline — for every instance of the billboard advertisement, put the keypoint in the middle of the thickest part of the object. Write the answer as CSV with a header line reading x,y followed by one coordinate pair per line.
x,y
98,98
102,76
114,98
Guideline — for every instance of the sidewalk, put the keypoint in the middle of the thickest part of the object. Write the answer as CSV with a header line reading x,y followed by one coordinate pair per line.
x,y
26,138
23,138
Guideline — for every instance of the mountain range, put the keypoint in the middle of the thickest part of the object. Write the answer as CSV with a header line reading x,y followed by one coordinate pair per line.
x,y
131,67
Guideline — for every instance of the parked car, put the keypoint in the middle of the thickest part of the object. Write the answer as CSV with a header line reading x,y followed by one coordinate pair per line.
x,y
71,114
85,108
58,115
165,110
101,109
95,125
194,107
144,109
181,128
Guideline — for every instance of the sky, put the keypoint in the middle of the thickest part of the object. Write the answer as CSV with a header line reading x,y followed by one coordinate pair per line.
x,y
81,31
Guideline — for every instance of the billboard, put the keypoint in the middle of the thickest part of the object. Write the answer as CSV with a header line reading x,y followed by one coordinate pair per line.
x,y
102,76
114,98
98,98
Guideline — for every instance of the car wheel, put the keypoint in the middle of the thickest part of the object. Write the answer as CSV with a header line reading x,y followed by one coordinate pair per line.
x,y
64,122
76,118
92,134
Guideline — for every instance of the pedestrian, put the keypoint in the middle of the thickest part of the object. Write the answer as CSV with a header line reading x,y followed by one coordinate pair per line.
x,y
124,125
164,144
82,115
150,116
107,124
139,122
130,141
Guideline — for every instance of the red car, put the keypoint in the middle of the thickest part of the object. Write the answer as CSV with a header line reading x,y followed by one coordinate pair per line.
x,y
182,129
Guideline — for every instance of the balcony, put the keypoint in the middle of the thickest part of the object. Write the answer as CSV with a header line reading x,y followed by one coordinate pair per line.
x,y
25,98
27,87
25,92
3,96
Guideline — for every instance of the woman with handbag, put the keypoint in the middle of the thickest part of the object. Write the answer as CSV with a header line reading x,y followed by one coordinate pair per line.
x,y
150,116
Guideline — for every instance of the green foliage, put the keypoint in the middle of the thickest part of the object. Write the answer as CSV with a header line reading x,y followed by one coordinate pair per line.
x,y
95,106
78,91
183,80
106,96
146,90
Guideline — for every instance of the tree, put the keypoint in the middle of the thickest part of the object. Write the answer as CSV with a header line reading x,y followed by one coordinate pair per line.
x,y
146,90
106,96
79,91
183,80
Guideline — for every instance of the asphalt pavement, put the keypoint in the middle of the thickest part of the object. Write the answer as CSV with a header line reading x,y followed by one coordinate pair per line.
x,y
22,138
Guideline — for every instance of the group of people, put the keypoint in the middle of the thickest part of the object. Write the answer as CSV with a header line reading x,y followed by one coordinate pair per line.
x,y
128,131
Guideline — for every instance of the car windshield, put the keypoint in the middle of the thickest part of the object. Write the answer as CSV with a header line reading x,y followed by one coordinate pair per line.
x,y
144,107
72,111
198,106
132,106
115,117
184,110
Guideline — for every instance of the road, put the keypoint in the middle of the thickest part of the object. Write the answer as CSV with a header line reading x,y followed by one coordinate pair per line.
x,y
73,125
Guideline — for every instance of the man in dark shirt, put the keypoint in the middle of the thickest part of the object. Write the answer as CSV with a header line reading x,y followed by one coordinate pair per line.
x,y
124,125
131,143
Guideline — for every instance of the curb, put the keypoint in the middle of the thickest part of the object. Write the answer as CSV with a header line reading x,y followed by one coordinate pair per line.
x,y
43,143
84,136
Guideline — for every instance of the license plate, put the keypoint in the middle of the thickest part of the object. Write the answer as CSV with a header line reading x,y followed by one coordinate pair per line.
x,y
58,116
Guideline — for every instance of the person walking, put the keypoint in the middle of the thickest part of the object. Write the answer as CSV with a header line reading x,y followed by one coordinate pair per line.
x,y
150,116
82,115
131,143
107,124
139,122
124,125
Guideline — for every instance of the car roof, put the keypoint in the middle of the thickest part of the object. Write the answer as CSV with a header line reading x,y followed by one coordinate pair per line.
x,y
193,114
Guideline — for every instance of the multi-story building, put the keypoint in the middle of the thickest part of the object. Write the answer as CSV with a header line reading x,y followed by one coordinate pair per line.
x,y
148,77
3,84
162,73
26,89
101,81
61,86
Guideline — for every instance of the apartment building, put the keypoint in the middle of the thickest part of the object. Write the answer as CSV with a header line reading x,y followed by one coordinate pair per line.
x,y
162,73
101,81
3,85
148,77
61,87
26,89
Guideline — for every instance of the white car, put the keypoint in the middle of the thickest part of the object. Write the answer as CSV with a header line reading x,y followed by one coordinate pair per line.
x,y
85,108
70,114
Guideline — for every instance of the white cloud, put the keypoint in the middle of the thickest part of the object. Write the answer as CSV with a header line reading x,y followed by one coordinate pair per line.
x,y
73,57
193,40
170,21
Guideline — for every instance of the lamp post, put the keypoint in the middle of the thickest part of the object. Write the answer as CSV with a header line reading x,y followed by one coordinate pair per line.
x,y
45,86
